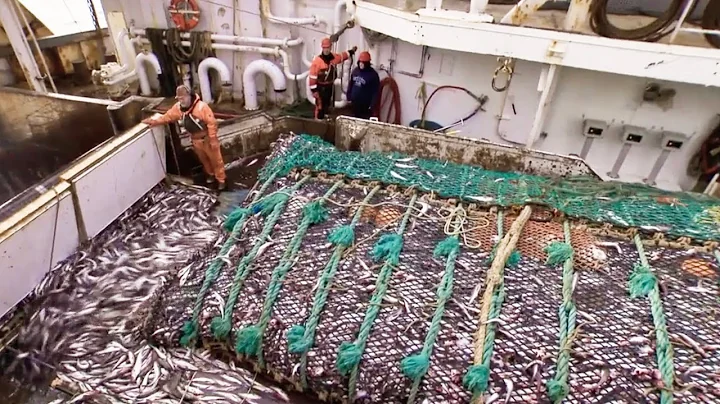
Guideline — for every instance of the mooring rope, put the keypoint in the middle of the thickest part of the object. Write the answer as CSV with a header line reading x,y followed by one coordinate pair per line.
x,y
558,253
388,247
313,212
271,207
477,377
643,282
302,337
235,222
416,366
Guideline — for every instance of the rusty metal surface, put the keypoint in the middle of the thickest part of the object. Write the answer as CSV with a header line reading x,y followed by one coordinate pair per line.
x,y
366,136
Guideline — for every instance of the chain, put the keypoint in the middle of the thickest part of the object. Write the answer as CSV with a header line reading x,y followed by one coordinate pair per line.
x,y
505,66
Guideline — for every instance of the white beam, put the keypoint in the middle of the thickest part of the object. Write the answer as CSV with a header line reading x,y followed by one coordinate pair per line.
x,y
19,43
684,64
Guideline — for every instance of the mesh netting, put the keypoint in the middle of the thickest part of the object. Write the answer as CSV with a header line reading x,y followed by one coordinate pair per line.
x,y
612,347
621,204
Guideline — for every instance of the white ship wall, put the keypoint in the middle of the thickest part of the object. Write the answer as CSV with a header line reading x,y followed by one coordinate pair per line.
x,y
580,94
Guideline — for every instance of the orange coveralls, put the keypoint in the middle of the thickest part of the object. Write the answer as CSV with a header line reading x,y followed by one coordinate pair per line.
x,y
322,79
205,143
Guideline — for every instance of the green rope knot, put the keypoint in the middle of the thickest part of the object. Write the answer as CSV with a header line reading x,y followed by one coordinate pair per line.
x,y
348,357
315,212
247,340
415,366
512,260
446,247
297,343
476,379
388,247
235,217
189,333
558,253
268,204
343,235
557,390
641,281
220,327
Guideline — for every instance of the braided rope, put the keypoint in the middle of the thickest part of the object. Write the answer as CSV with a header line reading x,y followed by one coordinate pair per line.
x,y
381,285
558,387
663,347
283,267
190,328
477,376
222,325
416,366
301,338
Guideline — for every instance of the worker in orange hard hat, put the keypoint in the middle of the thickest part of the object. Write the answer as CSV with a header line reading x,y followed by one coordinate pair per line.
x,y
364,87
323,72
197,118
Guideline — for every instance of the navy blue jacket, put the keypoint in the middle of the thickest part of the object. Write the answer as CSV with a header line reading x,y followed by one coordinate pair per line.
x,y
364,86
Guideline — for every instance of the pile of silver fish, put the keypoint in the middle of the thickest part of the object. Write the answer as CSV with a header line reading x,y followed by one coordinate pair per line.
x,y
90,310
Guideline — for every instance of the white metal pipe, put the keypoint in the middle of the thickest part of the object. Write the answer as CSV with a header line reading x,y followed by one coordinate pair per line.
x,y
20,46
341,103
267,13
124,58
238,40
271,70
679,24
478,6
119,78
142,74
204,76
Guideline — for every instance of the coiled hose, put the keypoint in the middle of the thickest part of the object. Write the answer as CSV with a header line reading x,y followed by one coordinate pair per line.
x,y
711,20
652,32
388,85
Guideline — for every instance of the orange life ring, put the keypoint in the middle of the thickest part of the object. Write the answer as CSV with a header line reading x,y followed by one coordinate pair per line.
x,y
185,14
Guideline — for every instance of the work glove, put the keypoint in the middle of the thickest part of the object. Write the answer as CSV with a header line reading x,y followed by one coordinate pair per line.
x,y
149,122
352,51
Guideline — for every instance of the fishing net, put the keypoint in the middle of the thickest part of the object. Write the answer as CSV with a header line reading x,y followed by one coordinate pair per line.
x,y
621,204
333,313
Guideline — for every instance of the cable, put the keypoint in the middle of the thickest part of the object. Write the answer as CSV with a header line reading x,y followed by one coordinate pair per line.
x,y
711,20
389,84
481,100
652,32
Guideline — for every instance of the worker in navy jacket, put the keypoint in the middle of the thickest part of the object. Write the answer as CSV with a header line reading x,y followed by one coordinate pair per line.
x,y
364,87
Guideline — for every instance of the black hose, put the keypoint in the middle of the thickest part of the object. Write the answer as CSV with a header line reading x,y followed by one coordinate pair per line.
x,y
711,20
652,32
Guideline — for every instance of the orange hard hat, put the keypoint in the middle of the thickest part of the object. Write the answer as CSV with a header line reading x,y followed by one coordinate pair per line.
x,y
326,43
364,57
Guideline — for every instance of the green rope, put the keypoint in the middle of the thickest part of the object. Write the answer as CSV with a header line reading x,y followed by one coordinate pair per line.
x,y
388,248
663,347
558,388
236,222
302,337
416,366
221,325
477,377
314,212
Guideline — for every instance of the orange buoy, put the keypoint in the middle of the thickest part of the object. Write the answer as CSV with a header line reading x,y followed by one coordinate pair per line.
x,y
185,14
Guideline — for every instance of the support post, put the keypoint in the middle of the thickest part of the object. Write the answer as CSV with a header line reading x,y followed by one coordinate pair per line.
x,y
548,82
23,53
577,15
478,6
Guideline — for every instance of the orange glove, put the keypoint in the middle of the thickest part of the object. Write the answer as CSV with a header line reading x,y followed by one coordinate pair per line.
x,y
149,122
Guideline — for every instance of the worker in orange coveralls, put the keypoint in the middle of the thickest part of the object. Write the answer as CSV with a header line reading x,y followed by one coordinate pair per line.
x,y
198,119
323,72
